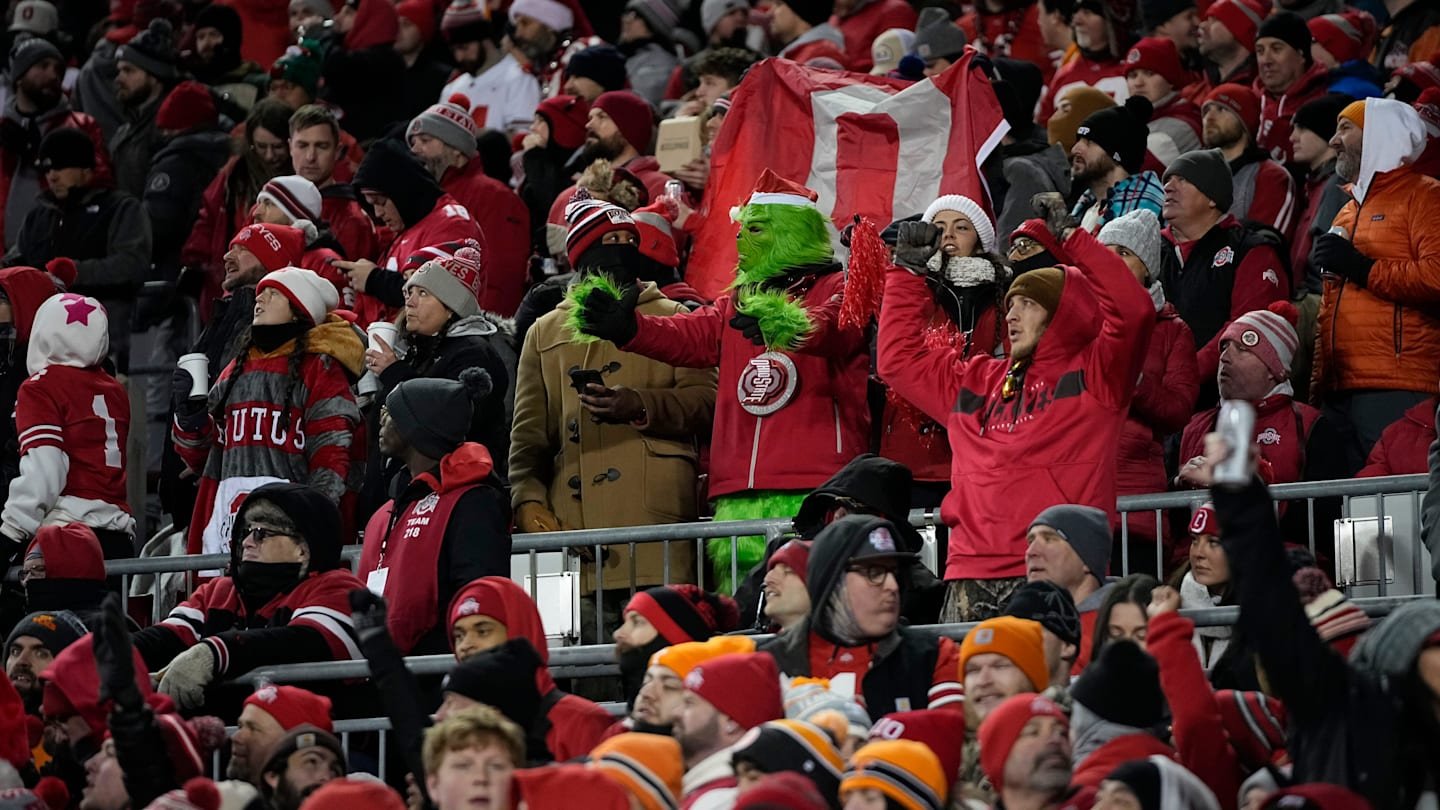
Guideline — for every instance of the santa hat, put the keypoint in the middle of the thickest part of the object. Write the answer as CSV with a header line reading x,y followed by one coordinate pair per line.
x,y
1204,521
649,766
682,658
293,194
744,687
1002,727
940,730
450,122
310,296
589,220
456,281
1268,334
984,228
657,238
292,706
1254,724
795,746
906,772
276,246
552,14
772,189
685,612
188,106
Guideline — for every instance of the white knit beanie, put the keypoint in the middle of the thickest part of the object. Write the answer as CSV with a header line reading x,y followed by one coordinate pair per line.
x,y
1138,232
984,228
309,295
552,14
293,194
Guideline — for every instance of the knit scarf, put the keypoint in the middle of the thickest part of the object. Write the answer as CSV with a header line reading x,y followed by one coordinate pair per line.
x,y
1195,595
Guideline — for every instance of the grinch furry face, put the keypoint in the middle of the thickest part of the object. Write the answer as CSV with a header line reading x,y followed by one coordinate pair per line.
x,y
775,238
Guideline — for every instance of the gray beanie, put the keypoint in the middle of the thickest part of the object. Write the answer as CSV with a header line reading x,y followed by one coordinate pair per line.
x,y
322,7
1086,529
1391,647
712,10
451,123
432,414
29,51
937,37
1207,170
1139,232
152,50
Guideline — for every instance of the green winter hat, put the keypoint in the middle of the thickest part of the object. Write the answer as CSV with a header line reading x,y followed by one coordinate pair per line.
x,y
299,65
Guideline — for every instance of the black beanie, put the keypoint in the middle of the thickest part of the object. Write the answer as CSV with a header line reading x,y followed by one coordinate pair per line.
x,y
1319,115
1019,91
153,51
433,414
1049,604
1207,170
66,148
1121,131
1122,686
1154,13
1143,779
224,19
314,515
814,12
1291,29
390,169
503,677
56,630
602,64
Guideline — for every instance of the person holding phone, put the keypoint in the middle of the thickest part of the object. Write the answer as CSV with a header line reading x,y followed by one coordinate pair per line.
x,y
604,437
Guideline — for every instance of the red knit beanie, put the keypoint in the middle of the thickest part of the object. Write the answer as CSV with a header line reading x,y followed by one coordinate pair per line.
x,y
795,554
567,116
276,246
685,612
1002,727
632,115
1241,18
292,706
350,794
657,238
941,730
422,14
1254,724
787,790
744,687
189,106
1158,55
1239,99
1347,36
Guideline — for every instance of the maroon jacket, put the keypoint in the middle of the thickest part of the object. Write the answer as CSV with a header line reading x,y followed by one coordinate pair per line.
x,y
1277,110
1403,446
1163,402
1053,439
502,215
214,226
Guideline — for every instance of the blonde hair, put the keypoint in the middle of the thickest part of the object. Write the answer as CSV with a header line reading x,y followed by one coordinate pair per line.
x,y
474,727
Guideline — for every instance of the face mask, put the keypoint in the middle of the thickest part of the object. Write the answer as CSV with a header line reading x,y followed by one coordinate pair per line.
x,y
269,337
620,262
260,582
63,594
1039,260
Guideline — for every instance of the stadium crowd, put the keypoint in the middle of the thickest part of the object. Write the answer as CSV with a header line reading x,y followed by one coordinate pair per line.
x,y
416,276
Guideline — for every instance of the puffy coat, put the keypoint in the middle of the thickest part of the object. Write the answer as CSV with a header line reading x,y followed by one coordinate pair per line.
x,y
563,460
1277,110
132,145
826,414
506,223
1386,335
1402,448
1053,441
20,145
179,180
1164,398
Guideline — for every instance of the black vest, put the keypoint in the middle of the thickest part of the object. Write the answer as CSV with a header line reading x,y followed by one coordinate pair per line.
x,y
1200,288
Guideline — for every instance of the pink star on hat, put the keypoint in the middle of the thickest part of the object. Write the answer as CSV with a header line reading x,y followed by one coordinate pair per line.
x,y
77,309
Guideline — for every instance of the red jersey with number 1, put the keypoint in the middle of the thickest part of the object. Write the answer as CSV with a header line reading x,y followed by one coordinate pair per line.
x,y
85,413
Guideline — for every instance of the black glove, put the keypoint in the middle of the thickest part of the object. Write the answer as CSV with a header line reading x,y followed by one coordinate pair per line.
x,y
749,327
915,243
368,613
609,318
1333,253
180,384
113,657
1051,207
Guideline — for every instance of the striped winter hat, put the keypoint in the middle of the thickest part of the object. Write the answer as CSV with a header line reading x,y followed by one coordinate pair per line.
x,y
293,194
1268,333
450,122
796,746
905,771
657,238
1337,620
1254,724
589,220
648,766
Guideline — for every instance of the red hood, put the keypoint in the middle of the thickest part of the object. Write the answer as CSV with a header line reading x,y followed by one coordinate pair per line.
x,y
71,552
467,464
73,685
1423,413
1093,770
376,23
501,599
562,785
26,288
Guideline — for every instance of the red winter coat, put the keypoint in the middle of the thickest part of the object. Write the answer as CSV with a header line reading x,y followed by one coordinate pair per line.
x,y
1014,34
1277,110
502,215
350,225
1053,441
448,221
61,116
1403,447
1092,770
827,414
321,261
861,27
266,24
1269,188
1163,402
1107,77
1282,431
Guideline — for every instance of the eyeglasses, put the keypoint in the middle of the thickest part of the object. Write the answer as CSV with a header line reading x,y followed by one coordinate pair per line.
x,y
874,574
261,533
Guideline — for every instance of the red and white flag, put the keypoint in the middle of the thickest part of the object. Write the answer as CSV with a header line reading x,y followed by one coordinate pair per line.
x,y
876,147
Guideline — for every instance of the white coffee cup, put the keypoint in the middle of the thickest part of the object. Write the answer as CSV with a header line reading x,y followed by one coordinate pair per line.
x,y
199,367
384,330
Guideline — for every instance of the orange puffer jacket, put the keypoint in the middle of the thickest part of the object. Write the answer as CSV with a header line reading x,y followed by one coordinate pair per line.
x,y
1385,335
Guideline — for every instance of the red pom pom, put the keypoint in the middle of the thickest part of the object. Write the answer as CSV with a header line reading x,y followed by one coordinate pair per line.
x,y
1430,96
202,793
1286,310
62,268
460,100
865,277
53,792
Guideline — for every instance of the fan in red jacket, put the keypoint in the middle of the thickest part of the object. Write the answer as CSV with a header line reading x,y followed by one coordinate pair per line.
x,y
492,610
1102,37
1011,30
410,203
1403,446
1289,77
1049,415
861,21
285,601
443,136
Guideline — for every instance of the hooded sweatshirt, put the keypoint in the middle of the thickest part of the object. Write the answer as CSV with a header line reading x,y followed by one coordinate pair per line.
x,y
74,570
576,725
1053,440
275,429
25,288
72,420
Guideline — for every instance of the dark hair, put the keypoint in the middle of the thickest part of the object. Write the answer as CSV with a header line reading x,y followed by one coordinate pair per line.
x,y
730,63
269,114
1065,8
314,115
1134,590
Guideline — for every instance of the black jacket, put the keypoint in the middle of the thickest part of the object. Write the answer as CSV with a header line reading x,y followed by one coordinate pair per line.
x,y
181,171
1350,723
368,84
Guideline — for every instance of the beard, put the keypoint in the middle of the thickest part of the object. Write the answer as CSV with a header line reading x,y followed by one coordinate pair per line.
x,y
695,742
603,148
44,95
1347,165
1086,172
288,797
